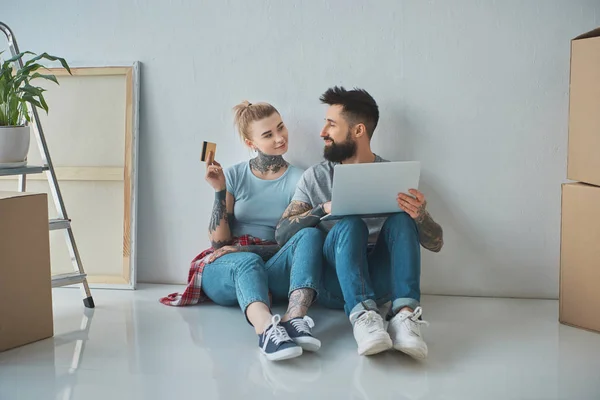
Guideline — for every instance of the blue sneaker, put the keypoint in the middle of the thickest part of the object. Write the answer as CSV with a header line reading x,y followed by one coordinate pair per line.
x,y
299,330
275,343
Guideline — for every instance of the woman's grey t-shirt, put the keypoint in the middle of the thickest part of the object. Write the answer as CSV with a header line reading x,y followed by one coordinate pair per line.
x,y
314,188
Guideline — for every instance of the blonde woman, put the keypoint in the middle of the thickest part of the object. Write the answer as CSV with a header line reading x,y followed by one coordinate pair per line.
x,y
250,198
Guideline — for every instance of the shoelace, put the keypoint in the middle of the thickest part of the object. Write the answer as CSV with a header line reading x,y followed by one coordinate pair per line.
x,y
414,317
276,333
368,318
303,325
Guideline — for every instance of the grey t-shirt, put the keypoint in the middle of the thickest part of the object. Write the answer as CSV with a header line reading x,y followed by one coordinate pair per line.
x,y
315,186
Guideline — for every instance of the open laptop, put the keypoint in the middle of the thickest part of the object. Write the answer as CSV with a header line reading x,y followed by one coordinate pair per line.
x,y
371,189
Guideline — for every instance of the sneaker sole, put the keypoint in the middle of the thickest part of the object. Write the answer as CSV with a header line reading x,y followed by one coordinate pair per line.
x,y
420,352
375,347
286,354
308,343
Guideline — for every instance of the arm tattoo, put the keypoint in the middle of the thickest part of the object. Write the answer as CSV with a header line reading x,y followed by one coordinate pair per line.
x,y
431,235
298,215
217,244
300,301
219,211
265,252
218,217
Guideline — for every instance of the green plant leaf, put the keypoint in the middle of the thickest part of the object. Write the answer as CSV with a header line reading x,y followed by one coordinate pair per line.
x,y
28,68
6,68
25,112
34,59
35,91
30,99
26,78
15,58
51,58
43,102
48,77
16,92
14,111
3,116
21,79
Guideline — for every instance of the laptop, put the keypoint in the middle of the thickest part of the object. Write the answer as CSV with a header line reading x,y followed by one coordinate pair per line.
x,y
371,189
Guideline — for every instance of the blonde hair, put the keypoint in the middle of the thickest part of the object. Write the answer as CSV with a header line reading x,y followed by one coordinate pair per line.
x,y
246,113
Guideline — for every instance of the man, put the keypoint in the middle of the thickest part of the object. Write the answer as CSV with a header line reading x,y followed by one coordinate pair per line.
x,y
368,261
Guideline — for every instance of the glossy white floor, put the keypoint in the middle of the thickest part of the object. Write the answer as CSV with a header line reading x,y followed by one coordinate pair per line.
x,y
136,348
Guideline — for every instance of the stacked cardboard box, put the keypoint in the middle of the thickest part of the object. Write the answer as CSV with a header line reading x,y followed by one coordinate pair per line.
x,y
25,277
580,222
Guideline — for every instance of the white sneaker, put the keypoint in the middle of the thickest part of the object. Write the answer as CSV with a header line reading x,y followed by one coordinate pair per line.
x,y
405,330
369,333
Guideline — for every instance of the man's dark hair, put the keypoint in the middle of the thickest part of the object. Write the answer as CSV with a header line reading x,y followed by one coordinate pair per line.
x,y
358,105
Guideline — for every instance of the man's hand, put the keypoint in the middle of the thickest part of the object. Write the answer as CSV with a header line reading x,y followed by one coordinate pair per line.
x,y
327,207
430,232
414,206
222,251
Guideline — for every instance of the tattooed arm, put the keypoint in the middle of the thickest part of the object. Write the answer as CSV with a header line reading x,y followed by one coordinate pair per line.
x,y
219,231
221,216
431,234
298,215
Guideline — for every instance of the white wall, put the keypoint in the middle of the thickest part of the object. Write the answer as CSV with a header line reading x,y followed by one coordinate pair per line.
x,y
476,90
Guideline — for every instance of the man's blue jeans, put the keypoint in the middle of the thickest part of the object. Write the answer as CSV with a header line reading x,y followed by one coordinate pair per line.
x,y
244,278
356,279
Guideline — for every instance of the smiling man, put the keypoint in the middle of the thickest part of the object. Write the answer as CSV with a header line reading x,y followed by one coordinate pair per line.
x,y
369,261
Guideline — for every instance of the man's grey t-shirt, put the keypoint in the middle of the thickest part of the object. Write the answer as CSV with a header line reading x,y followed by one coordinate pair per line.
x,y
315,186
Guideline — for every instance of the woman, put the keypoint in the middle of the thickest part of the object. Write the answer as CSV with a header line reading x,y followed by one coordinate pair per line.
x,y
250,198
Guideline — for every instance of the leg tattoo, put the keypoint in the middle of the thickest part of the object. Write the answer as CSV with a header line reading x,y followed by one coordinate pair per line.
x,y
300,301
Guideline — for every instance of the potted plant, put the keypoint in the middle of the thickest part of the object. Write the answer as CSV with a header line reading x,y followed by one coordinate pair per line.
x,y
16,91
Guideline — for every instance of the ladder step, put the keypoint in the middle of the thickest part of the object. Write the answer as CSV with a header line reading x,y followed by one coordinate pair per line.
x,y
56,224
23,168
70,278
30,169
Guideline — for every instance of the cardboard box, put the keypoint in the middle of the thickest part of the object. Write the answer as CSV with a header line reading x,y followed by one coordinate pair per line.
x,y
584,105
580,256
25,277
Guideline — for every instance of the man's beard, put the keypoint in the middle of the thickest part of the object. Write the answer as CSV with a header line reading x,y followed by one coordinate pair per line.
x,y
338,152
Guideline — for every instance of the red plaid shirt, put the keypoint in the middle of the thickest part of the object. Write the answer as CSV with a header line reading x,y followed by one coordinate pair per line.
x,y
193,293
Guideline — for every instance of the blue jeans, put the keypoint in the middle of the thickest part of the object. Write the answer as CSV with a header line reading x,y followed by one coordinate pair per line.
x,y
356,279
244,278
236,279
297,265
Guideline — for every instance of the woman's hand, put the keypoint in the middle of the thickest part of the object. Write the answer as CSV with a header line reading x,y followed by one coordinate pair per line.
x,y
222,251
214,173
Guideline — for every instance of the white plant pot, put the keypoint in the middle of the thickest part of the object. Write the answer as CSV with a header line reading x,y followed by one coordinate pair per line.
x,y
14,145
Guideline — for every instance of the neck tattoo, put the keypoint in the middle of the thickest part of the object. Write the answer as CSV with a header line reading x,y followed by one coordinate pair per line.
x,y
264,163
